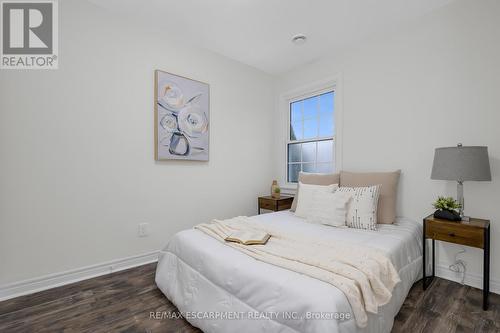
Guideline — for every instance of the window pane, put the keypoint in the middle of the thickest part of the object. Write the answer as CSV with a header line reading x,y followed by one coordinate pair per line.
x,y
311,107
308,167
294,152
311,128
293,173
326,125
324,167
326,118
296,111
309,152
325,151
326,103
296,131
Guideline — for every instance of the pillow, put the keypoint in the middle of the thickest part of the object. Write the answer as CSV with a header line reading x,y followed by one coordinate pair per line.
x,y
315,179
306,192
329,208
362,209
388,181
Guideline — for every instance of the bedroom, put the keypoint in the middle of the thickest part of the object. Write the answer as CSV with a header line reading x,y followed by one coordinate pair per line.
x,y
90,195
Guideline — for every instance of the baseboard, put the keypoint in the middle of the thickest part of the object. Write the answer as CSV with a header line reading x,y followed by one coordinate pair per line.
x,y
59,279
471,279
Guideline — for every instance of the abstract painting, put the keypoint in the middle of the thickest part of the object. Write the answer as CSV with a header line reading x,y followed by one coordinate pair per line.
x,y
182,118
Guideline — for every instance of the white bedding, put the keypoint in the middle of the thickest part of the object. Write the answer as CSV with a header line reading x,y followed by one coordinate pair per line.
x,y
205,278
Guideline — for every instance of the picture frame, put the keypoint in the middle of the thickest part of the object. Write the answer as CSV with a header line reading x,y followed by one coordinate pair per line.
x,y
181,118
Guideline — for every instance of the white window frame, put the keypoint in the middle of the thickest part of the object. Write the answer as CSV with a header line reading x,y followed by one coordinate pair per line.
x,y
317,88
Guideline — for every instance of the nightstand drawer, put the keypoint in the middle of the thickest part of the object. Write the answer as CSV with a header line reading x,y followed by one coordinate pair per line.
x,y
267,204
285,204
458,234
275,204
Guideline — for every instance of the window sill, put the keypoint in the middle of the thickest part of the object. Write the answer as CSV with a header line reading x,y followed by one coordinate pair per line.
x,y
289,188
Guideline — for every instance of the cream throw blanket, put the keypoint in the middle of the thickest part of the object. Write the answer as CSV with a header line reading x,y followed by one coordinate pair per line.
x,y
365,275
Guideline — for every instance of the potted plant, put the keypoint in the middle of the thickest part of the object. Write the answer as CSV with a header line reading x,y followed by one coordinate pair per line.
x,y
446,209
276,193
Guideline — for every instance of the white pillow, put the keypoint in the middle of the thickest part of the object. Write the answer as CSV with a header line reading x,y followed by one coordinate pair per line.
x,y
362,209
329,208
305,196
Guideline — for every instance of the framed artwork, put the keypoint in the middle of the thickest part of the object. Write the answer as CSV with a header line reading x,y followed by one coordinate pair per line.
x,y
182,118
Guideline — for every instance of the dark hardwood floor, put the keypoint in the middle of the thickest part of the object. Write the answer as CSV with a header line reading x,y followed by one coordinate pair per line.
x,y
122,302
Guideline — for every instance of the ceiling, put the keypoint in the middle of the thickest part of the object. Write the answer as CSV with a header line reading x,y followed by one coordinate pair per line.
x,y
258,32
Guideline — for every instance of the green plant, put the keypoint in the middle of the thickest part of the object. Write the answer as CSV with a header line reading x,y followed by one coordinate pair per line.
x,y
446,203
277,190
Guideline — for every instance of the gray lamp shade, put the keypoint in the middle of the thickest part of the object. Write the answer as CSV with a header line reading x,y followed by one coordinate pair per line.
x,y
461,164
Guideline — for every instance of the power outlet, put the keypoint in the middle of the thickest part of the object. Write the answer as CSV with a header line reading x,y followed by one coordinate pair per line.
x,y
143,230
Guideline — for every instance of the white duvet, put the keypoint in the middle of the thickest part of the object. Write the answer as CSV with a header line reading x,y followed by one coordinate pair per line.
x,y
220,289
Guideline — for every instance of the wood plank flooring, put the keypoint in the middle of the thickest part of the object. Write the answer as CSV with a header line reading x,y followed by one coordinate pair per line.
x,y
122,302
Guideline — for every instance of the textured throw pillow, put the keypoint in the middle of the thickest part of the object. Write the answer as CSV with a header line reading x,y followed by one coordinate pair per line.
x,y
388,181
362,209
329,208
315,179
306,197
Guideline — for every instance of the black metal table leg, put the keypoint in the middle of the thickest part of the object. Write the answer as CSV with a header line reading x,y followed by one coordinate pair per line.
x,y
423,257
426,281
486,263
433,259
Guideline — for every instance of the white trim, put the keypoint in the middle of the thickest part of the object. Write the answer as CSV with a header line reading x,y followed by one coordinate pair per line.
x,y
471,279
330,83
59,279
62,278
289,189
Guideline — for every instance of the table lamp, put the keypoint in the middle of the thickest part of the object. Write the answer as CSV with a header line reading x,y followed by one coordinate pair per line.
x,y
461,164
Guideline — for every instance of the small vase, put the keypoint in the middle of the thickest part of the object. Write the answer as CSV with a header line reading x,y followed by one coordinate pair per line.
x,y
275,186
449,215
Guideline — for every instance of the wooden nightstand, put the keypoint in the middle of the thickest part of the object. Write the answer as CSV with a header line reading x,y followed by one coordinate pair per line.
x,y
475,233
270,203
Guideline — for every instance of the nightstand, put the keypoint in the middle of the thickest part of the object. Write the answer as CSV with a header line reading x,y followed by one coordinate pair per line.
x,y
475,233
270,203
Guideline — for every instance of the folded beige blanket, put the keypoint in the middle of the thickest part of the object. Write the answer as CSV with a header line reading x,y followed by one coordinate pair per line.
x,y
365,275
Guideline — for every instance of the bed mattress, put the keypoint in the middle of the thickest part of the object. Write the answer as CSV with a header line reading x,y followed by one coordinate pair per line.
x,y
219,289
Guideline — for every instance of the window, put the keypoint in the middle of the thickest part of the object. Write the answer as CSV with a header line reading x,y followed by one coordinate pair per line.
x,y
310,143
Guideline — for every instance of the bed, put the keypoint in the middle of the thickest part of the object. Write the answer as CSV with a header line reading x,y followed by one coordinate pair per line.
x,y
220,289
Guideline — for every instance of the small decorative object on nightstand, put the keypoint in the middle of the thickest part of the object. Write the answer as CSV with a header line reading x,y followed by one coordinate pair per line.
x,y
275,190
475,233
446,209
275,204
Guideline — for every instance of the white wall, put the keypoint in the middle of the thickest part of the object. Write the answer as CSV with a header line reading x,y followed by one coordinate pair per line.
x,y
77,172
433,83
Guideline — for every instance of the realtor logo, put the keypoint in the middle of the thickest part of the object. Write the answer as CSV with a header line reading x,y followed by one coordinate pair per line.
x,y
29,35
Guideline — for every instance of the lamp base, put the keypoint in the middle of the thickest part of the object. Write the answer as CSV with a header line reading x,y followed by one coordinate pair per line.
x,y
460,197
